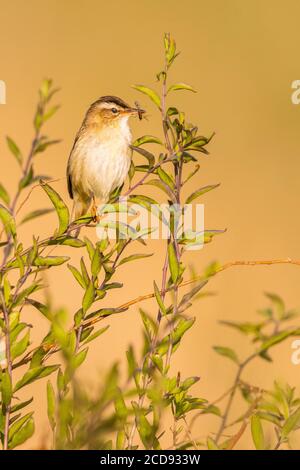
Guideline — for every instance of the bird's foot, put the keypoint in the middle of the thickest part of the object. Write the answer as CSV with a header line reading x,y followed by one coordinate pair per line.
x,y
95,215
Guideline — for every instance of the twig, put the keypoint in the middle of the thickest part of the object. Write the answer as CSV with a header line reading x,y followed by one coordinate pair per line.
x,y
217,400
233,441
147,359
189,434
32,189
151,295
149,172
232,395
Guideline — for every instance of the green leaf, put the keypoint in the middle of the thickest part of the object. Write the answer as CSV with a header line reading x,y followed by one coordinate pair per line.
x,y
161,185
90,248
96,335
166,178
27,179
6,388
181,86
77,275
88,297
21,405
170,50
51,404
291,423
145,429
278,338
6,290
147,139
20,347
44,309
173,262
77,360
257,433
120,406
23,434
14,319
189,382
158,362
43,144
278,303
50,113
211,444
17,425
67,241
196,238
35,214
8,221
181,328
14,150
227,352
245,328
201,191
187,297
134,257
50,260
150,93
4,195
34,374
149,324
84,272
96,263
16,331
45,88
60,207
149,156
33,252
159,299
132,364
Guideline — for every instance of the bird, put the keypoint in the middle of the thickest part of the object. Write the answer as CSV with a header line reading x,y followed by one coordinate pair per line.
x,y
100,157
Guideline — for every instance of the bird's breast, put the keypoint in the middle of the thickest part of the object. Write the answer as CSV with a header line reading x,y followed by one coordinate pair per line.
x,y
106,163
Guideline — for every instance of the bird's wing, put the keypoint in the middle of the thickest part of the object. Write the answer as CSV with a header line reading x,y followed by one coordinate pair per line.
x,y
69,180
69,175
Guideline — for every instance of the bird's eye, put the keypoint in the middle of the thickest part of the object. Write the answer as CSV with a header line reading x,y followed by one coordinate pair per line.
x,y
114,110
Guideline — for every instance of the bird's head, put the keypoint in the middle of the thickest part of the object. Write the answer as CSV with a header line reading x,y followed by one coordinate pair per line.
x,y
112,111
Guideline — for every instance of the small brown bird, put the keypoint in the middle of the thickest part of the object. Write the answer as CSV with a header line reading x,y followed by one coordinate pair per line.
x,y
100,157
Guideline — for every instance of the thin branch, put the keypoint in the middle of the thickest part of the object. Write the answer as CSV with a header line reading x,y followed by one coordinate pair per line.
x,y
149,172
151,295
39,185
234,440
229,403
231,264
232,394
189,434
217,400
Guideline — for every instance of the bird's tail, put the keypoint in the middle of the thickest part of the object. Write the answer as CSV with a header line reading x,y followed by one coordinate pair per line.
x,y
80,208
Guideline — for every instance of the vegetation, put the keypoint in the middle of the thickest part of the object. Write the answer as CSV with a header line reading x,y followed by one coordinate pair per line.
x,y
130,413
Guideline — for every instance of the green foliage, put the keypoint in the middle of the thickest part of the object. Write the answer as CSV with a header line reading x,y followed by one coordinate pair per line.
x,y
123,414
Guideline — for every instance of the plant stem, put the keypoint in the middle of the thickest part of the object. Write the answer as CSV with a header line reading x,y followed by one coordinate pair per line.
x,y
232,395
278,444
229,403
12,207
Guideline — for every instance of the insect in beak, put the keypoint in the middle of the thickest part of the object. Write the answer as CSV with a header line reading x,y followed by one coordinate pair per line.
x,y
140,111
135,111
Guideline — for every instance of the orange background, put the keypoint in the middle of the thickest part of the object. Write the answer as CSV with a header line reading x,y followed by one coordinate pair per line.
x,y
242,57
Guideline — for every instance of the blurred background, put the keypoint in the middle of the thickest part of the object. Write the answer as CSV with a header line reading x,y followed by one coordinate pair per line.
x,y
242,57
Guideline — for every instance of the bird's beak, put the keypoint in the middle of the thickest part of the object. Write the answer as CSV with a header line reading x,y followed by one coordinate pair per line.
x,y
136,111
